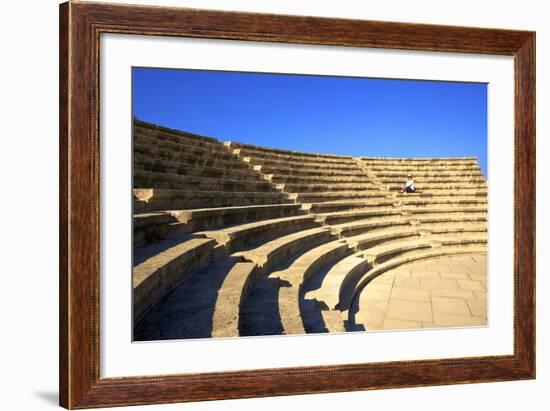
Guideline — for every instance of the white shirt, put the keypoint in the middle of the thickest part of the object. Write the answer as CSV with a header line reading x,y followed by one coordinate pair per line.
x,y
410,184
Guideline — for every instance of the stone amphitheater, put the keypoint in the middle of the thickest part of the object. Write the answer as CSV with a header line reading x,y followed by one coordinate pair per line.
x,y
239,240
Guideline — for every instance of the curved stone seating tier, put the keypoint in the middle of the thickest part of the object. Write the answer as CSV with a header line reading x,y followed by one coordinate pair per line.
x,y
444,208
278,249
174,150
305,179
437,201
433,187
380,253
360,226
425,171
237,236
345,205
435,193
149,227
466,218
245,152
432,180
156,276
334,186
442,193
150,199
402,175
231,169
308,171
419,164
463,229
155,137
166,133
296,275
415,162
342,276
380,235
336,195
355,214
146,179
267,163
236,285
259,149
169,157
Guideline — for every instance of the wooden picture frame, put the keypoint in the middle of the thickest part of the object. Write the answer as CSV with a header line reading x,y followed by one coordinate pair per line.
x,y
80,27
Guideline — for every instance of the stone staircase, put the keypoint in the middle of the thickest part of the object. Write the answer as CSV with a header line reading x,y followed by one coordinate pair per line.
x,y
232,239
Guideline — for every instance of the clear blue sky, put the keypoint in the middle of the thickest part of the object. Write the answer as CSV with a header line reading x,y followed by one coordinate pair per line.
x,y
325,114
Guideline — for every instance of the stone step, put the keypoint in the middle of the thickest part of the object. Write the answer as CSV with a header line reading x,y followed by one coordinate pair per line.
x,y
433,180
154,226
337,195
402,174
246,152
290,164
232,238
355,214
379,236
414,162
218,161
377,254
260,149
423,168
343,205
232,169
457,201
441,193
443,186
446,218
439,229
360,226
306,171
169,149
235,287
178,145
206,218
327,187
271,253
457,240
444,209
151,199
158,275
144,179
341,277
321,179
169,134
294,277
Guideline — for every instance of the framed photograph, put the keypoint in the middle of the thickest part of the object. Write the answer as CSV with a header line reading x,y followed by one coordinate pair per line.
x,y
259,205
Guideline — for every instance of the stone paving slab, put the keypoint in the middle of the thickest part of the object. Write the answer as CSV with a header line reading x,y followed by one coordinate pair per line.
x,y
446,291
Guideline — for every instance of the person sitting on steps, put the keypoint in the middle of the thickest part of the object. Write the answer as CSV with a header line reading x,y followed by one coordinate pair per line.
x,y
409,185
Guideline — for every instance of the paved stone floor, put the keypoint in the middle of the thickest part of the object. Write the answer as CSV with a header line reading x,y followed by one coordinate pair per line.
x,y
441,292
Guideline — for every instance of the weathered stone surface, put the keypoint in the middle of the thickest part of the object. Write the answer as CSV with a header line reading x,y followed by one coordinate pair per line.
x,y
273,241
225,322
156,276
